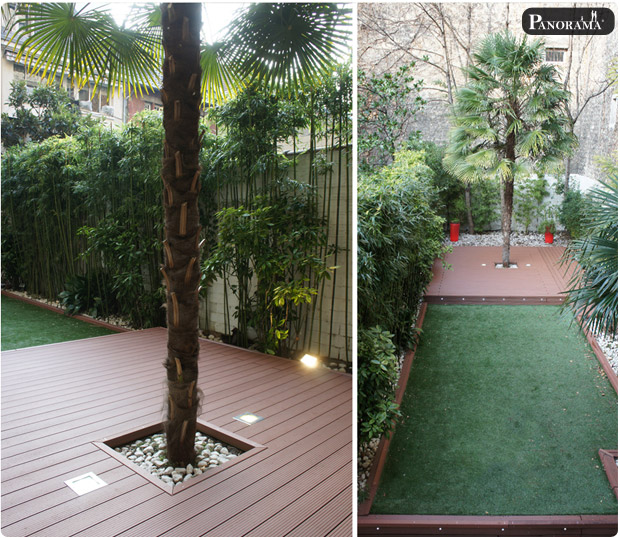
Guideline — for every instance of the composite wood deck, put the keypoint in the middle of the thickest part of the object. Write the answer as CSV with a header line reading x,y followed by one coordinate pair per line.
x,y
60,399
470,277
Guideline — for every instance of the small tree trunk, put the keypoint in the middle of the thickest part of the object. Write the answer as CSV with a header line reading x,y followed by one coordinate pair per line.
x,y
470,220
181,97
567,177
507,197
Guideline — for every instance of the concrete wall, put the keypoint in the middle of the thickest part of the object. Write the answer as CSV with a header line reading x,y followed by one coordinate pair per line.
x,y
331,334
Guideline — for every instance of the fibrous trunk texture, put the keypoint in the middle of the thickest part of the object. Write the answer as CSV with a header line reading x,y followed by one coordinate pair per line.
x,y
470,220
507,198
181,176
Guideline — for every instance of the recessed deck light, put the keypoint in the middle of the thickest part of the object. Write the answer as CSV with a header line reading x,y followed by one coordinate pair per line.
x,y
85,483
310,360
248,418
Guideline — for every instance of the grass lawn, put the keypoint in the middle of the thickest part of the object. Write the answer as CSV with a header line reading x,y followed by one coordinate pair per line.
x,y
504,413
26,325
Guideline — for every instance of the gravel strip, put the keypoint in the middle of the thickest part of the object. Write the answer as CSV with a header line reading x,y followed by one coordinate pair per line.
x,y
494,239
150,454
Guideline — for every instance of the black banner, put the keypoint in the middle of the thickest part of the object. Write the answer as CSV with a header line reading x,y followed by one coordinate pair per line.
x,y
568,20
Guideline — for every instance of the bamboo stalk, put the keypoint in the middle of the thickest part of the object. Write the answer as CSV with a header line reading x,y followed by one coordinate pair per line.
x,y
179,369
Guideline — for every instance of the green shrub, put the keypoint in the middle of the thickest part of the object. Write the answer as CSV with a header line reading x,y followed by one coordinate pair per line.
x,y
573,212
274,243
399,237
485,203
529,195
377,376
82,215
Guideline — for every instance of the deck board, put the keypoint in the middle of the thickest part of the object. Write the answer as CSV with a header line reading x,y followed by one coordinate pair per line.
x,y
469,276
84,391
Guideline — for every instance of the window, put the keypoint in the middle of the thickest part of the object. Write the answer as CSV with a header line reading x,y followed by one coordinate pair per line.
x,y
97,100
554,55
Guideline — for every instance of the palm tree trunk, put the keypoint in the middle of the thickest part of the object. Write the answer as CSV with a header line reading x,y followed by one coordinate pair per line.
x,y
181,176
507,198
470,220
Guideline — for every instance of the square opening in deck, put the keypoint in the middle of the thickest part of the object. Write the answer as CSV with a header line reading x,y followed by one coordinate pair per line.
x,y
247,448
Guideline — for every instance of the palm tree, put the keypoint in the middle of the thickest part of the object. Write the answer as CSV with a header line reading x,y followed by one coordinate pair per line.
x,y
279,45
508,120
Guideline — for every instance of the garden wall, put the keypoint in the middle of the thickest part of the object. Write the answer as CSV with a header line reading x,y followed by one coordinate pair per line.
x,y
328,330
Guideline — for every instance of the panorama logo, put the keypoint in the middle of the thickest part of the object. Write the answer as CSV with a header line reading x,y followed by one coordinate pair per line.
x,y
568,21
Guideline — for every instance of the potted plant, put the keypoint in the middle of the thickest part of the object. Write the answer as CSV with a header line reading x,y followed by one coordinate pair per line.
x,y
547,224
455,226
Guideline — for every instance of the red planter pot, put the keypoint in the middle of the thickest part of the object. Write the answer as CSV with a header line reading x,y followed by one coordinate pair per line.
x,y
548,237
454,231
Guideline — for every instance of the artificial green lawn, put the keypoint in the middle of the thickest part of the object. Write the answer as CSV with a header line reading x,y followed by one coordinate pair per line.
x,y
26,325
504,413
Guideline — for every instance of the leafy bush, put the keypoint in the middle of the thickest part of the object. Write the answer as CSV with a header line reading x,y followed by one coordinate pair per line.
x,y
273,243
529,195
386,105
83,215
399,237
485,203
39,114
573,213
377,376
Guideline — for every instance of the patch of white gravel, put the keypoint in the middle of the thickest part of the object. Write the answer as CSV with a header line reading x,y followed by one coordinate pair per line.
x,y
609,345
150,454
494,239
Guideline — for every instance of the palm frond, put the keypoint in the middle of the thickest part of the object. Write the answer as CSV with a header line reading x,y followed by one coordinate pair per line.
x,y
593,263
85,44
287,45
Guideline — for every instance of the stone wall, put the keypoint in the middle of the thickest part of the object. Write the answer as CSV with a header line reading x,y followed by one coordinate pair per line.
x,y
440,38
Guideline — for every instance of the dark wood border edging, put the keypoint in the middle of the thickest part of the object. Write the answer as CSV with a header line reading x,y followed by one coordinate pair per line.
x,y
447,525
81,317
600,355
403,525
249,447
608,459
